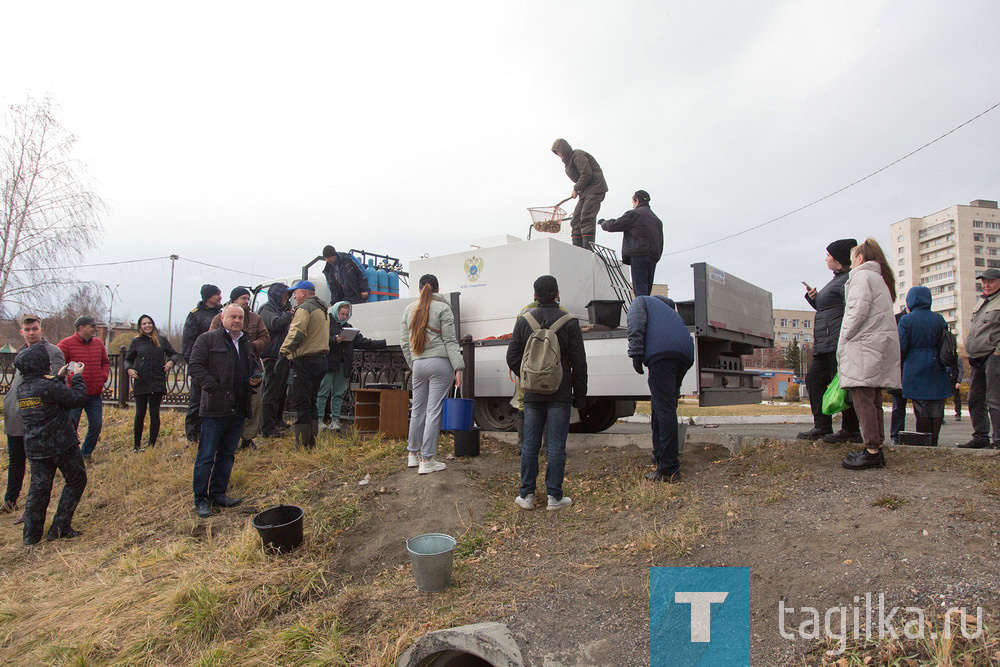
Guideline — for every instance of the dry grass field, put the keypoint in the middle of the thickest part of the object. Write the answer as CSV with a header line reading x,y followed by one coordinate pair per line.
x,y
150,584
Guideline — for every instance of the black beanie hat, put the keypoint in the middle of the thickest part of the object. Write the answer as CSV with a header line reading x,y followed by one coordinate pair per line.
x,y
840,250
546,289
329,251
238,292
208,291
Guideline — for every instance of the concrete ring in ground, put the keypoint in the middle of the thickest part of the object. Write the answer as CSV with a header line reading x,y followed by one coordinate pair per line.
x,y
477,645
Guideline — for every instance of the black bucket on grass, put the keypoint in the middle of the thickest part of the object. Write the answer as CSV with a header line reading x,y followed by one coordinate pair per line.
x,y
467,442
280,527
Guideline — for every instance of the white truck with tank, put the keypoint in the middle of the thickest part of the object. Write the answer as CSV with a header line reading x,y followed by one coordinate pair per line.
x,y
489,285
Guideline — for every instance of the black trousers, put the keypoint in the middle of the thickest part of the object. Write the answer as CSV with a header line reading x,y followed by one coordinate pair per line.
x,y
15,467
274,392
43,472
142,401
192,420
307,374
957,397
665,377
818,377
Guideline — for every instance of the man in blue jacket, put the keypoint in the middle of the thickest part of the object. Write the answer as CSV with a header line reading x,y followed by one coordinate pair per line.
x,y
659,339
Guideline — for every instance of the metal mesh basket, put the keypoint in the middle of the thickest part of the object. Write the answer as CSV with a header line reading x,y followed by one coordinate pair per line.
x,y
547,219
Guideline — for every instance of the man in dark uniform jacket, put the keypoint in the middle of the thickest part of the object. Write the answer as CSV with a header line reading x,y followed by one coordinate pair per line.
x,y
50,442
198,321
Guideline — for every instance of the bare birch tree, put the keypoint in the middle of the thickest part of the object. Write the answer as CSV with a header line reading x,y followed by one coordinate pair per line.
x,y
49,214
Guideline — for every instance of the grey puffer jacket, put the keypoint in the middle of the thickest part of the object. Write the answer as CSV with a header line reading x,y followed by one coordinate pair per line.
x,y
868,350
441,338
12,422
829,305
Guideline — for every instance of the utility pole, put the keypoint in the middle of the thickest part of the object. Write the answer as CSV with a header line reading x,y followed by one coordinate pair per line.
x,y
111,306
170,307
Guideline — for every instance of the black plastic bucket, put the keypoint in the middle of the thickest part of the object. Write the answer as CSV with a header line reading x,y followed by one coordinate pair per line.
x,y
280,527
467,442
606,313
915,438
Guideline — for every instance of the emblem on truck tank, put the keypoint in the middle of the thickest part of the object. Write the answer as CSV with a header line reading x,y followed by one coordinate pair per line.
x,y
473,268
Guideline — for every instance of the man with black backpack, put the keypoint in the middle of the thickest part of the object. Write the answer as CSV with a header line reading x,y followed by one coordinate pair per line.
x,y
546,352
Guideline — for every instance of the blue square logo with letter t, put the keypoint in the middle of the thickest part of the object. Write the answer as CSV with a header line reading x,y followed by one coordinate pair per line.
x,y
699,616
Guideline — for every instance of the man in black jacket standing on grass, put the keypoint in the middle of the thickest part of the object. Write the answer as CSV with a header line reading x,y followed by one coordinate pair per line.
x,y
277,316
547,411
50,442
225,367
642,244
198,321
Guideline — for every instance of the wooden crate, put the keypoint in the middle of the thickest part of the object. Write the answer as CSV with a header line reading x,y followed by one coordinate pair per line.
x,y
384,411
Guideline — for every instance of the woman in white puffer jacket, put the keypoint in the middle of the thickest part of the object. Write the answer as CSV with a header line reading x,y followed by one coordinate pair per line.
x,y
868,350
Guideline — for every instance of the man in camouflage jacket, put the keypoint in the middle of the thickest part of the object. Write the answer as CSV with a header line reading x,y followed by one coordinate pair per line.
x,y
50,442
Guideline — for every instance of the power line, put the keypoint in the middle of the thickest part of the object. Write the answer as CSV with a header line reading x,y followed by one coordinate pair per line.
x,y
836,192
87,266
246,273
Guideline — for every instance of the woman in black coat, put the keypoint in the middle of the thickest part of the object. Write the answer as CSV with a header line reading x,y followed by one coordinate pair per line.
x,y
829,305
147,362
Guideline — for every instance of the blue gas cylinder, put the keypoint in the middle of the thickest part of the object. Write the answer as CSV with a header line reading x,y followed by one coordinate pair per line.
x,y
372,280
383,284
393,285
357,260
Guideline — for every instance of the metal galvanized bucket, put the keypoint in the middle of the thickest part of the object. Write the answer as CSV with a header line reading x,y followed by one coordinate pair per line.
x,y
432,557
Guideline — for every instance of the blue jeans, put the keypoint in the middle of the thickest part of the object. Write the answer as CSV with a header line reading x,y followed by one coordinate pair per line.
x,y
220,437
95,421
642,269
554,419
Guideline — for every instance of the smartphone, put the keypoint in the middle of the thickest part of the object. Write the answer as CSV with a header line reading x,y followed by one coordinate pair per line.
x,y
74,367
808,289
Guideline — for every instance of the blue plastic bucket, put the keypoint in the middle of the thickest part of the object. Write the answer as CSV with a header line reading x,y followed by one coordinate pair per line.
x,y
457,414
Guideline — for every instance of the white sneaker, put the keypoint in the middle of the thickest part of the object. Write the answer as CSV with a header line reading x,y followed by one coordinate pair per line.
x,y
323,427
412,460
554,504
334,425
430,466
526,503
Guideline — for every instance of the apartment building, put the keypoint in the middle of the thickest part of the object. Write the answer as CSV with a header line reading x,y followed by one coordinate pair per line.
x,y
947,252
794,325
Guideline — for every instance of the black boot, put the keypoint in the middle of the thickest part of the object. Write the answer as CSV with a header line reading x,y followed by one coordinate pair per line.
x,y
843,436
303,436
864,460
814,433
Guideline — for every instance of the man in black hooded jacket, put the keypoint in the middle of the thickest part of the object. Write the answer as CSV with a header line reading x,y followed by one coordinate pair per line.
x,y
277,315
642,244
198,322
50,442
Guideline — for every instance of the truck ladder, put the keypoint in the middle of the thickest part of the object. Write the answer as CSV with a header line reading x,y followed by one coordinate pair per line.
x,y
621,285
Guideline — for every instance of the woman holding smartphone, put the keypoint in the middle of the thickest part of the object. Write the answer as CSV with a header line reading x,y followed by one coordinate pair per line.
x,y
829,305
147,362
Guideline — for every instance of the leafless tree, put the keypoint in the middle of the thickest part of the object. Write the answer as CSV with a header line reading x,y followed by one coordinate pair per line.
x,y
49,214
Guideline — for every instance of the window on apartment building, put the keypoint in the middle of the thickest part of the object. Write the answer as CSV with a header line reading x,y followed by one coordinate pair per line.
x,y
795,337
993,263
902,285
980,261
993,225
990,238
993,251
807,324
784,323
901,262
901,273
978,249
784,336
795,324
899,251
977,237
900,239
979,287
977,223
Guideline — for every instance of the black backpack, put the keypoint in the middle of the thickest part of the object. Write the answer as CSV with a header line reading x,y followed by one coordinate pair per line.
x,y
948,351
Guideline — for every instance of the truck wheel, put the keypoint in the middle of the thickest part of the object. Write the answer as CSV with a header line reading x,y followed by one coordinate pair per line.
x,y
598,416
495,414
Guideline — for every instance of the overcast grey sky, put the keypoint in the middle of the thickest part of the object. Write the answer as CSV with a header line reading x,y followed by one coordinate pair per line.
x,y
251,134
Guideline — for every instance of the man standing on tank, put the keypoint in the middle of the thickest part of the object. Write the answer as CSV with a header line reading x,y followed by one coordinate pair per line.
x,y
588,185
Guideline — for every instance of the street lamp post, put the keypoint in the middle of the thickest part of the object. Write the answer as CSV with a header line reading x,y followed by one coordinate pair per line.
x,y
111,305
